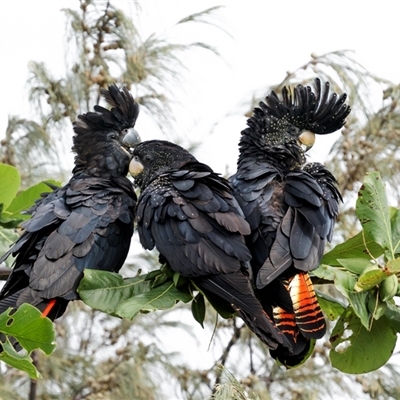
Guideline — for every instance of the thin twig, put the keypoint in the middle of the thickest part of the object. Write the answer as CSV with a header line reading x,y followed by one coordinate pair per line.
x,y
33,384
222,360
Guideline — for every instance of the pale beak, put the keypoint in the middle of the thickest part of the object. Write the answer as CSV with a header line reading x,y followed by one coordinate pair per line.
x,y
135,167
307,138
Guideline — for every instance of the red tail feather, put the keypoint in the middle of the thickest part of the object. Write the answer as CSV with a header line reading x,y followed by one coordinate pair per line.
x,y
49,307
308,314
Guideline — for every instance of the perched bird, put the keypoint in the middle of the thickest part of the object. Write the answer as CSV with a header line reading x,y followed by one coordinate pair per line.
x,y
88,223
291,206
188,213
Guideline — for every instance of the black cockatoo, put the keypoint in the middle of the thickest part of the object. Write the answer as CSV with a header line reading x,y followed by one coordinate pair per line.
x,y
88,223
188,213
291,206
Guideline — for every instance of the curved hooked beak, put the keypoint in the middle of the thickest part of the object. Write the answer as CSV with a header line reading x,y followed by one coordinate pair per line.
x,y
307,139
131,139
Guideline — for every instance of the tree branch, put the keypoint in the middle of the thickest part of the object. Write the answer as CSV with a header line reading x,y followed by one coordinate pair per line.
x,y
222,360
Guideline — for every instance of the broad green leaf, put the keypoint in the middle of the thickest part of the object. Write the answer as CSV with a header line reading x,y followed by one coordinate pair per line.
x,y
373,211
9,223
393,316
19,361
333,308
345,282
359,303
159,298
199,309
388,288
9,184
375,305
30,328
355,350
355,265
324,272
25,199
105,290
359,246
393,266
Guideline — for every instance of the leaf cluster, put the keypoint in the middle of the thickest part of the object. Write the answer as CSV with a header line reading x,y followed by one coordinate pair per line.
x,y
365,271
25,326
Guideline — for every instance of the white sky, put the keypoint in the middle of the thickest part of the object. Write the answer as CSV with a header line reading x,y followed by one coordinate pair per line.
x,y
268,39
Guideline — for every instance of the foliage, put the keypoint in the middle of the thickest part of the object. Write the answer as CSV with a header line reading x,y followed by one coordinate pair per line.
x,y
31,330
26,325
364,270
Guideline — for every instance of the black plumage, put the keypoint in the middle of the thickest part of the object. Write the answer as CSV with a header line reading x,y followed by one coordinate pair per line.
x,y
189,214
88,223
291,206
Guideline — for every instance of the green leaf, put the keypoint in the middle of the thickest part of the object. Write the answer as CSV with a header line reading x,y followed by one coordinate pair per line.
x,y
324,272
373,211
7,237
375,305
199,309
178,279
30,328
345,282
159,298
9,184
393,316
359,303
109,292
355,265
25,199
355,350
9,223
333,308
395,226
105,290
19,361
32,331
393,266
359,246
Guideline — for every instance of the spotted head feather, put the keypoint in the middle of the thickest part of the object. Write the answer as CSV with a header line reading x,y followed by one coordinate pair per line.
x,y
320,111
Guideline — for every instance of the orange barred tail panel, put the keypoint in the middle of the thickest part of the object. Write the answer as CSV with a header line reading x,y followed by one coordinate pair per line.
x,y
286,322
308,314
